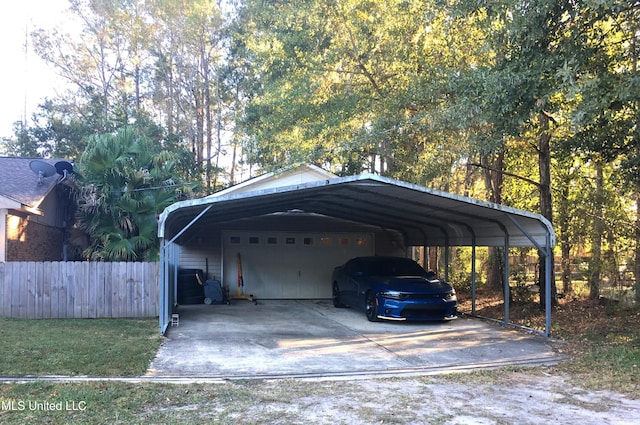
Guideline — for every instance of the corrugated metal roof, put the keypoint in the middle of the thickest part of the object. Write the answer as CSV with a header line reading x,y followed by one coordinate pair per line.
x,y
424,216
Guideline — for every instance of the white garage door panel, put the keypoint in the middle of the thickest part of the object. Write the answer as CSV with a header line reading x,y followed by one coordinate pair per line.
x,y
289,265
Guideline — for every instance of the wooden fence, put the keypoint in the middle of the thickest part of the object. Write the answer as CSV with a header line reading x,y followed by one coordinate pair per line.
x,y
44,290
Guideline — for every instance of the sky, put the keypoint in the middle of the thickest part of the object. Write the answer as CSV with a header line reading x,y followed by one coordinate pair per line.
x,y
25,80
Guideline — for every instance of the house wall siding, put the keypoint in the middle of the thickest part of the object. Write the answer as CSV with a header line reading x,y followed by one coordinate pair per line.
x,y
28,240
54,208
205,255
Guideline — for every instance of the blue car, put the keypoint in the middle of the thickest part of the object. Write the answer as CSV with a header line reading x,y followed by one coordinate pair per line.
x,y
392,288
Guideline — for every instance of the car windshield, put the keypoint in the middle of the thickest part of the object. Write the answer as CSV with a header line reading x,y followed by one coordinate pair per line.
x,y
395,267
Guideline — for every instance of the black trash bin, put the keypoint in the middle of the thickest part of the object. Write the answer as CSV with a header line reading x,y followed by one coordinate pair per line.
x,y
189,290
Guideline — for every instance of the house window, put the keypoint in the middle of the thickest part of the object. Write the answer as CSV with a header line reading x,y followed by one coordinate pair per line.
x,y
272,240
325,241
254,240
361,241
290,240
234,240
307,241
344,241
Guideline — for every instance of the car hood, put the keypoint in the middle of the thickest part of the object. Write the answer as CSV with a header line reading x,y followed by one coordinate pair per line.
x,y
409,284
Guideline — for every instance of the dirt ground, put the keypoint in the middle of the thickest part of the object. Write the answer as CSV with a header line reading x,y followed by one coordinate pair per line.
x,y
503,397
514,398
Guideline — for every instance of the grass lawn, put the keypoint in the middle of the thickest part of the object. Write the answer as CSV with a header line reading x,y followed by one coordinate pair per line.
x,y
95,347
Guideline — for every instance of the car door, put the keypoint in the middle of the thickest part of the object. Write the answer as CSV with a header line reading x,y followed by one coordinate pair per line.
x,y
346,284
353,273
361,284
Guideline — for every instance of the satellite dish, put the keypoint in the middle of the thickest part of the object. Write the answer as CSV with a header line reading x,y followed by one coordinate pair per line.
x,y
64,168
42,169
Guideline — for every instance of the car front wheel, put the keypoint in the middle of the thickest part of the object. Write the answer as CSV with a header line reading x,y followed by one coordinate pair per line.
x,y
372,307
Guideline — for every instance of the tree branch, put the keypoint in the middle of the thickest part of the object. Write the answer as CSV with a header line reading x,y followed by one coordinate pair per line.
x,y
359,63
506,173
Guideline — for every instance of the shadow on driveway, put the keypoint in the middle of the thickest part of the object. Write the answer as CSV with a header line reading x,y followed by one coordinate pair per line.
x,y
313,339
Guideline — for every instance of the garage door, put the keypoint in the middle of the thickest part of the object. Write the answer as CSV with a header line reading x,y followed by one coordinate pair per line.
x,y
289,265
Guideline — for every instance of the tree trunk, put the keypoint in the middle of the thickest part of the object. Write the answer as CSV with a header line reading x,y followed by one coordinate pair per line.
x,y
137,89
493,178
495,275
468,180
204,61
565,248
219,128
171,128
546,205
565,244
636,269
598,230
199,130
432,261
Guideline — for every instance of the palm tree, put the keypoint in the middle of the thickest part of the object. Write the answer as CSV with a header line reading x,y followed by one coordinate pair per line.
x,y
126,180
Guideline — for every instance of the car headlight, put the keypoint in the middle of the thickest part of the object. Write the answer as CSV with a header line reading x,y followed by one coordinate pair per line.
x,y
450,295
393,295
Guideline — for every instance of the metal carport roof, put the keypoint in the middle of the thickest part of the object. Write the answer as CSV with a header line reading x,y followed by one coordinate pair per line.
x,y
419,213
424,216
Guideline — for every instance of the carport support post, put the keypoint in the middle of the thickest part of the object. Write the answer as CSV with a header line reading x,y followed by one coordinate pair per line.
x,y
446,258
506,279
164,289
473,276
547,286
168,285
547,251
425,256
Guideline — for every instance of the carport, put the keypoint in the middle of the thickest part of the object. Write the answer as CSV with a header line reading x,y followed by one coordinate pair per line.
x,y
421,216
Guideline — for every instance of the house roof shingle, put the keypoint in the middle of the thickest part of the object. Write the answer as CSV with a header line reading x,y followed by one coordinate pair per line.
x,y
19,183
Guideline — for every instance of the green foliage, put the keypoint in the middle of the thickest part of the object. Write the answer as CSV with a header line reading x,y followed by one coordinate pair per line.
x,y
460,269
455,95
605,84
23,144
356,86
126,181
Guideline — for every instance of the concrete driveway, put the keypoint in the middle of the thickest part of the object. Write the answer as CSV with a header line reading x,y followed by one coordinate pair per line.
x,y
312,338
